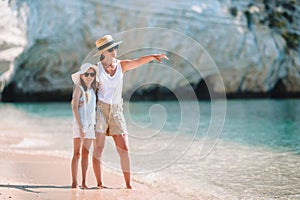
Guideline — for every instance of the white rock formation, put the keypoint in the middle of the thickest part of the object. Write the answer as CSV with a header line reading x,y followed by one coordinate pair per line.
x,y
43,42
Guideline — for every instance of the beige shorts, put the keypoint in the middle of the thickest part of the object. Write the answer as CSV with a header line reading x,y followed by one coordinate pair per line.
x,y
110,119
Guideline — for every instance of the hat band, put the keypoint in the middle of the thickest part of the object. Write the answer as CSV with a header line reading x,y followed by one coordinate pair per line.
x,y
106,45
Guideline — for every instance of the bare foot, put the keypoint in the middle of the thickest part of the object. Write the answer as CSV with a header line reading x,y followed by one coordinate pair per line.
x,y
74,185
128,186
84,186
101,187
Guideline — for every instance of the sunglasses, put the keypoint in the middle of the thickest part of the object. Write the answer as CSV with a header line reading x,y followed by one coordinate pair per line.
x,y
111,49
87,74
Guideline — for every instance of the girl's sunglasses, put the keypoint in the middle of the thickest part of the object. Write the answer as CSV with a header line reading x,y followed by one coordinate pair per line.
x,y
87,74
111,49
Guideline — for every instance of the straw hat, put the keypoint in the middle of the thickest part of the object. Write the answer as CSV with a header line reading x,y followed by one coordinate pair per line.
x,y
84,68
104,43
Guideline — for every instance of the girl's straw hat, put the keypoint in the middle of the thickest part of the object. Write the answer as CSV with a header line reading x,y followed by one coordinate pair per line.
x,y
104,43
84,68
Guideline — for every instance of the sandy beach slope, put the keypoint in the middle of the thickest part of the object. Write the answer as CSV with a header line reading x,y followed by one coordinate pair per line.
x,y
25,176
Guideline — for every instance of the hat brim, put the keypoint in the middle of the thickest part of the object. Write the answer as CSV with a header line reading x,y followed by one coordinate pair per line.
x,y
110,46
76,76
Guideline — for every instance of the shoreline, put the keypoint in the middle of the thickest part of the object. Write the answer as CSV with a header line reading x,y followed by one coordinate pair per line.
x,y
36,151
149,95
35,165
25,176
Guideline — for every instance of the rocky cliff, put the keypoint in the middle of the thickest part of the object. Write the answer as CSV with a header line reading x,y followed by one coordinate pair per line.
x,y
252,45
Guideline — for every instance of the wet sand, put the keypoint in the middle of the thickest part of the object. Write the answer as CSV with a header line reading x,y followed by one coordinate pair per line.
x,y
24,176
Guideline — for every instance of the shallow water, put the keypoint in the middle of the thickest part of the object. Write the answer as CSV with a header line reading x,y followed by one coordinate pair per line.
x,y
184,146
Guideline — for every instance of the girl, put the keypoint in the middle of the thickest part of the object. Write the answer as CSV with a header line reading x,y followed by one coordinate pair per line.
x,y
84,118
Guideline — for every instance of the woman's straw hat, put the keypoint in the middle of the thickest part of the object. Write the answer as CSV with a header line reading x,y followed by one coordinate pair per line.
x,y
84,68
104,43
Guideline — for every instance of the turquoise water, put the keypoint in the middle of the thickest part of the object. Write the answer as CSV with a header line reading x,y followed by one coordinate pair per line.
x,y
228,150
271,123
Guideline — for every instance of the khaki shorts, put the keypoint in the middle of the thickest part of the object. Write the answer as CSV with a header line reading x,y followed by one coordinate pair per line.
x,y
110,119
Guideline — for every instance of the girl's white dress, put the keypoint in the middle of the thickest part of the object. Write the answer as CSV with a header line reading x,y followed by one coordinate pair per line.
x,y
87,114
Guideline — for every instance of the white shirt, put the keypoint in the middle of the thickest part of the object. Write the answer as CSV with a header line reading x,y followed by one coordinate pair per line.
x,y
110,88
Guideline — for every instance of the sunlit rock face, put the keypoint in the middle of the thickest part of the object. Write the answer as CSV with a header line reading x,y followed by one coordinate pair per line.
x,y
254,44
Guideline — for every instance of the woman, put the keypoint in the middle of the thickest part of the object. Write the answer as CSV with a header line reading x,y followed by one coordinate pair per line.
x,y
109,115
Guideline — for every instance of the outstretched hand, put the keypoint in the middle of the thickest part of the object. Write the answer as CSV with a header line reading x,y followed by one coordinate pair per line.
x,y
158,57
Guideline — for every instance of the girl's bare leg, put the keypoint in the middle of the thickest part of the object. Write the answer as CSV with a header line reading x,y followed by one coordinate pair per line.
x,y
75,159
86,144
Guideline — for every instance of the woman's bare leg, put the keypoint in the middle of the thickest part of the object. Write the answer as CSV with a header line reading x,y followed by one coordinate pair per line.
x,y
97,158
75,159
86,144
121,142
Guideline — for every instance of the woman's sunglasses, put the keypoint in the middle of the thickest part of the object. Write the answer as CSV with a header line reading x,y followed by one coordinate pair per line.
x,y
111,49
87,74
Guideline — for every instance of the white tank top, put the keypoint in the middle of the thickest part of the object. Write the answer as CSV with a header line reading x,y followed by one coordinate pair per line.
x,y
110,87
87,111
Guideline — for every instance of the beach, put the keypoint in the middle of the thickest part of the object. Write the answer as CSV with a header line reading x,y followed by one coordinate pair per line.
x,y
29,176
36,156
255,157
211,103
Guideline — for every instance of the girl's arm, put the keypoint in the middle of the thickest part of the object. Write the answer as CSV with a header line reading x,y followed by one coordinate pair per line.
x,y
132,64
75,103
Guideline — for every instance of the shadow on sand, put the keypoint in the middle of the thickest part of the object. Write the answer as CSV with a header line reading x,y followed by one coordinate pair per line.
x,y
29,188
